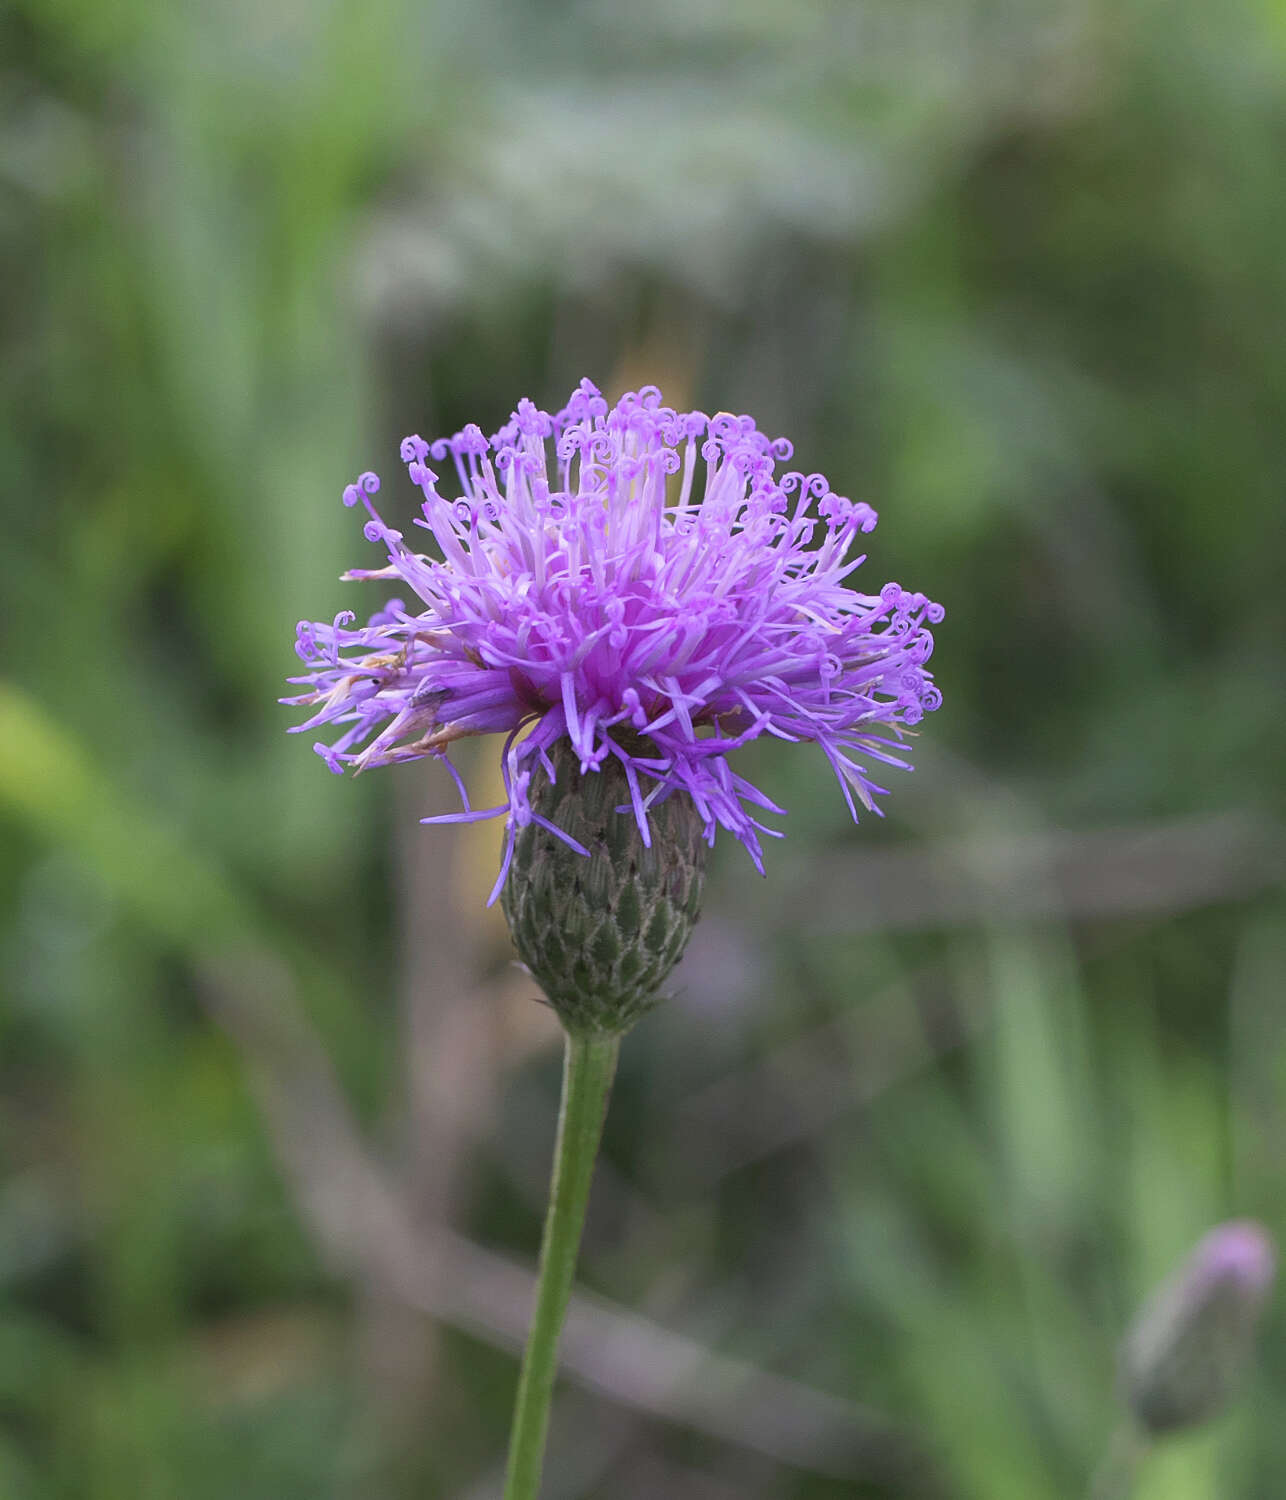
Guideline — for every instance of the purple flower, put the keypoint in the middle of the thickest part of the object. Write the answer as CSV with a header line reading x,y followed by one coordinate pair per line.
x,y
640,582
1195,1335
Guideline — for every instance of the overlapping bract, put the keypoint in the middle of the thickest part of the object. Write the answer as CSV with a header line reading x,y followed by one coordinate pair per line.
x,y
639,581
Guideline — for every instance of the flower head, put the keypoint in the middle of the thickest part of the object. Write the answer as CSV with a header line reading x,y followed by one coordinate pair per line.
x,y
1195,1335
639,582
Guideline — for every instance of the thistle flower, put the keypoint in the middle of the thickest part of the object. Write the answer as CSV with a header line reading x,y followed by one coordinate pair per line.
x,y
1195,1335
637,589
627,594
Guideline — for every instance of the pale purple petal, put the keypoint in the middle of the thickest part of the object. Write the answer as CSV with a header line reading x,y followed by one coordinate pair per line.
x,y
576,595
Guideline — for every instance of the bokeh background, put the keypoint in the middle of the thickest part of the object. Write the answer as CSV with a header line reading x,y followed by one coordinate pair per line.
x,y
938,1101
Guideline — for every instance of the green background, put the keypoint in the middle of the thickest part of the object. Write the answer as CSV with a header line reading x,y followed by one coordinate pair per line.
x,y
938,1101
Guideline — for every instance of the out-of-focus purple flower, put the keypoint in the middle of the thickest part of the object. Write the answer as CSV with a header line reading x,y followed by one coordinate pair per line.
x,y
1195,1335
640,582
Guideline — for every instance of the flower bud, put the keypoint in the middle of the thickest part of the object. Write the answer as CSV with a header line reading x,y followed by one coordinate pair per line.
x,y
1195,1335
601,935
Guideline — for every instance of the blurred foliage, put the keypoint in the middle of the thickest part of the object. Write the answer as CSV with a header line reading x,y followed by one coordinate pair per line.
x,y
1010,271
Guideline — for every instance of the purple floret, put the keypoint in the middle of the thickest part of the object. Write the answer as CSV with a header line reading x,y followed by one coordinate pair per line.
x,y
640,582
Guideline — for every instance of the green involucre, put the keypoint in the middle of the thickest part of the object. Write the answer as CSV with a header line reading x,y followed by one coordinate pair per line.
x,y
601,935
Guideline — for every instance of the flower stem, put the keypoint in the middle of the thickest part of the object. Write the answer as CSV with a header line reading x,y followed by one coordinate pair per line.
x,y
1114,1479
589,1063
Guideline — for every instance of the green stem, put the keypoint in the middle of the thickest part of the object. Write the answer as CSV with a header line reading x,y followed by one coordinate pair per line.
x,y
589,1062
1115,1477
